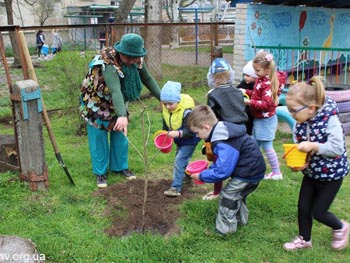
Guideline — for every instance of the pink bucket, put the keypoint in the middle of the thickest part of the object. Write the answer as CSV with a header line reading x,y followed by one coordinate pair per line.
x,y
196,167
163,142
197,181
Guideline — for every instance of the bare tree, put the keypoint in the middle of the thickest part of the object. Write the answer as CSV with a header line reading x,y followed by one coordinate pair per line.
x,y
174,15
172,8
43,9
125,6
121,15
153,38
9,12
20,12
153,43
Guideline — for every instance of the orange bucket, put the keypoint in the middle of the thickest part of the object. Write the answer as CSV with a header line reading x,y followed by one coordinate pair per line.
x,y
196,167
163,142
294,157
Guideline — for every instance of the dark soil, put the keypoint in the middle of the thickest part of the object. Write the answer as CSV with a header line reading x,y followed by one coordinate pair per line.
x,y
125,203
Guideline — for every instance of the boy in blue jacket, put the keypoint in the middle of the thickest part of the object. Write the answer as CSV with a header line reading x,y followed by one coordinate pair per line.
x,y
176,109
237,156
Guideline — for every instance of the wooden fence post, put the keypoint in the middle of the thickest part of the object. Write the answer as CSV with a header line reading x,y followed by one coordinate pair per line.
x,y
26,96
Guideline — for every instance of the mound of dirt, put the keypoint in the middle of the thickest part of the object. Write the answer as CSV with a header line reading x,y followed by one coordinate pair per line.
x,y
125,205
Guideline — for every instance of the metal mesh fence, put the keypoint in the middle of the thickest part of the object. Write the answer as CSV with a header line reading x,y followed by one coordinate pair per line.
x,y
182,43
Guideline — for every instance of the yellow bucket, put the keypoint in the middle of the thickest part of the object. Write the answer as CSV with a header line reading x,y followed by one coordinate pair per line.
x,y
294,157
158,133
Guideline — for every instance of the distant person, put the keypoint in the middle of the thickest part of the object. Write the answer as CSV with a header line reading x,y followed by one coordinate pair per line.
x,y
56,42
248,82
40,41
319,133
176,109
237,157
226,101
102,38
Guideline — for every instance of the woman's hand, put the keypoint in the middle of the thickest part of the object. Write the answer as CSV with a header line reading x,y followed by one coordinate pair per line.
x,y
121,125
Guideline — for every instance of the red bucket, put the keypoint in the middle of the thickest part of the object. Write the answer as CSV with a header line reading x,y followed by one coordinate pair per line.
x,y
163,142
196,167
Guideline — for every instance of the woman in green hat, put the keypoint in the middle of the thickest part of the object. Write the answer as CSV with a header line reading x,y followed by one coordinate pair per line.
x,y
115,77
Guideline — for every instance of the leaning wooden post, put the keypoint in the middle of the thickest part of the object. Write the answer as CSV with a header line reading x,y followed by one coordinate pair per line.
x,y
32,75
26,96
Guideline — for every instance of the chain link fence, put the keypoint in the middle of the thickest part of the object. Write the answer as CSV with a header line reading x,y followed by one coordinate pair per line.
x,y
182,43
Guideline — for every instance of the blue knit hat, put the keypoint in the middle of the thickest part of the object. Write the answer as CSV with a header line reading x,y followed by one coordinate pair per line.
x,y
131,45
219,65
171,92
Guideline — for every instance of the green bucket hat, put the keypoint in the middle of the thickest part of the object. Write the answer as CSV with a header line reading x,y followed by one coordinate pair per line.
x,y
131,45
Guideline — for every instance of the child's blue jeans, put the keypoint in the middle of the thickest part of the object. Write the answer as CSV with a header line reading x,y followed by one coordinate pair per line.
x,y
182,158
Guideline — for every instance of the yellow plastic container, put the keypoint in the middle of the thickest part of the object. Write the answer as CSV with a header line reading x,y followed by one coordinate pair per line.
x,y
294,157
158,132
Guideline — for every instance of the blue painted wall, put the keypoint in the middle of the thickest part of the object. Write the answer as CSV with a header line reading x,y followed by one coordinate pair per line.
x,y
269,25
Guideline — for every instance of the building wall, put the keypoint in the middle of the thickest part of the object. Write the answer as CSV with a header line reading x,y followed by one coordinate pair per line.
x,y
268,25
239,41
24,15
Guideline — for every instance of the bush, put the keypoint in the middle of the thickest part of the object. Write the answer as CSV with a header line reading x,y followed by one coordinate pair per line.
x,y
69,69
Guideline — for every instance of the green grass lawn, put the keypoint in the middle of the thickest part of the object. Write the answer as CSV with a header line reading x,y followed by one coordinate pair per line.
x,y
67,223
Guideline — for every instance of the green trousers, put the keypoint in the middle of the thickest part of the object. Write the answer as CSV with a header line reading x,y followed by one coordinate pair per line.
x,y
108,150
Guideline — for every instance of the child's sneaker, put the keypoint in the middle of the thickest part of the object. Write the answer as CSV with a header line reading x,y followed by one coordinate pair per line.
x,y
101,181
297,243
341,237
273,176
210,196
172,192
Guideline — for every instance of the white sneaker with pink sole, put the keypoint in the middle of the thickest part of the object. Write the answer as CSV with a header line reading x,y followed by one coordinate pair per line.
x,y
341,237
273,176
